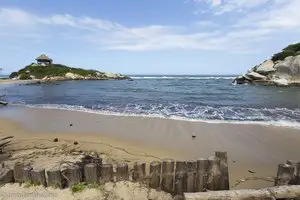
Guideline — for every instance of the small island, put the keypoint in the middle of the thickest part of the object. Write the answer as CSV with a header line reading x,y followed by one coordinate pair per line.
x,y
45,70
283,69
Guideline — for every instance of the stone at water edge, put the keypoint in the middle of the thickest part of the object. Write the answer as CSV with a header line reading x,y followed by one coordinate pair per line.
x,y
281,82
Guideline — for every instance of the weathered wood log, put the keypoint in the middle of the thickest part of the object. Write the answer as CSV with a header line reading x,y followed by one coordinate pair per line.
x,y
282,192
155,173
92,173
55,178
224,170
296,178
18,172
191,176
38,177
27,174
107,173
201,175
285,174
8,137
122,172
73,175
139,171
214,175
167,175
180,183
6,176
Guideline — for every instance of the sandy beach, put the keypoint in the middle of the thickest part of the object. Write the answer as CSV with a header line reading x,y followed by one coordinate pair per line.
x,y
257,148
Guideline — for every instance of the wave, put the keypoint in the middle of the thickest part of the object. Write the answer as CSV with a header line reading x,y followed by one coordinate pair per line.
x,y
185,77
266,116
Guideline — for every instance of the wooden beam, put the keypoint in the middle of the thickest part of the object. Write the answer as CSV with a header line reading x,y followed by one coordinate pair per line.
x,y
281,192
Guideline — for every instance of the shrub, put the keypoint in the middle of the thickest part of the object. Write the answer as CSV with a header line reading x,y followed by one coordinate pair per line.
x,y
25,77
13,75
291,50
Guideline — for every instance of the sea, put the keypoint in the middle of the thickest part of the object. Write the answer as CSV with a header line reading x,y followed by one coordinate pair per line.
x,y
209,98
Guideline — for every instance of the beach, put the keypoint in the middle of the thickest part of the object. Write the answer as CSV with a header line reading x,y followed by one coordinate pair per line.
x,y
254,150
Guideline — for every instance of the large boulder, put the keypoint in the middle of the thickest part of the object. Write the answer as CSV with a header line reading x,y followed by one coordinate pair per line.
x,y
266,67
289,68
255,76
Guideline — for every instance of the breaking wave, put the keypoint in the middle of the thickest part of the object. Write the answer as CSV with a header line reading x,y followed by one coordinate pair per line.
x,y
266,116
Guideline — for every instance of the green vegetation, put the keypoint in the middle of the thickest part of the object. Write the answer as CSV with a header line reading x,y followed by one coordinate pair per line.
x,y
81,186
291,50
39,71
25,77
78,187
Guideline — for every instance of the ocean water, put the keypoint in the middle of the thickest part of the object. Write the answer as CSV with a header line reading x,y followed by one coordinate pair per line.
x,y
204,98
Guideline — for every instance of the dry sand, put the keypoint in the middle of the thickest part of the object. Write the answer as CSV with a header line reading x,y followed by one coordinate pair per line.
x,y
252,147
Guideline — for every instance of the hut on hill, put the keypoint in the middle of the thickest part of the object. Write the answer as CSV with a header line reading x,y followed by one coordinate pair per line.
x,y
43,60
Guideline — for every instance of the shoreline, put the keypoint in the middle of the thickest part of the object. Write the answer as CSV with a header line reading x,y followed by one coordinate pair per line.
x,y
82,109
250,147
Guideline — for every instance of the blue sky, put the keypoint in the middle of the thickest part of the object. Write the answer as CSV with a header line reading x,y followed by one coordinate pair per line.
x,y
147,36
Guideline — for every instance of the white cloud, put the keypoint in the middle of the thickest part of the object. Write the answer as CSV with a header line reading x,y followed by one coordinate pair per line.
x,y
241,35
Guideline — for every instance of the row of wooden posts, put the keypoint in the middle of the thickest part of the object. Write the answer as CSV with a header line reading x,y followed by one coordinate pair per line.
x,y
168,175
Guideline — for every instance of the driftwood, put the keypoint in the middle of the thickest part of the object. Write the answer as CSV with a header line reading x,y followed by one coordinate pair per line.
x,y
4,141
281,192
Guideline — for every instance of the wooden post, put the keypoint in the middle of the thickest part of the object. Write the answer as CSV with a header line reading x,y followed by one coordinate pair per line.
x,y
18,172
122,172
38,177
224,169
91,173
155,172
191,176
139,171
180,177
27,174
167,176
6,176
285,174
73,175
55,178
296,178
202,175
214,175
106,173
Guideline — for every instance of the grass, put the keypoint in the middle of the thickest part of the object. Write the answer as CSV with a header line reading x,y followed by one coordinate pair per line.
x,y
81,186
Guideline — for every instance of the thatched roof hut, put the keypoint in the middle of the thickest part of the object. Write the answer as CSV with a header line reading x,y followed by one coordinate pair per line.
x,y
43,59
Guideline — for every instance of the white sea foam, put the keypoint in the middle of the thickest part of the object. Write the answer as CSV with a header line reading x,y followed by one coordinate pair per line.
x,y
283,122
184,77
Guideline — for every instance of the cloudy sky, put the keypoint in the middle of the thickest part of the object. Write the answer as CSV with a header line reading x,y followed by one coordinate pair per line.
x,y
147,36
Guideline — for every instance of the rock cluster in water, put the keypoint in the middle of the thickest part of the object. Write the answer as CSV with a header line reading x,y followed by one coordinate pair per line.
x,y
281,72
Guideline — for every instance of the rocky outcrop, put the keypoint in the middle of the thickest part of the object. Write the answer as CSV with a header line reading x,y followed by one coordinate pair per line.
x,y
281,73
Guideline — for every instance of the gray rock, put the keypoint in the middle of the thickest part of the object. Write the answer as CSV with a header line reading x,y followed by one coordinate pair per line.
x,y
289,68
266,67
255,76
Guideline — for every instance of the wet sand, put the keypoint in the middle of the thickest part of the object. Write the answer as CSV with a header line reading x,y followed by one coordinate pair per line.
x,y
252,147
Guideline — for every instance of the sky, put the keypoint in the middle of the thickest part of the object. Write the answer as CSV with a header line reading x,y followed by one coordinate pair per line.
x,y
147,36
